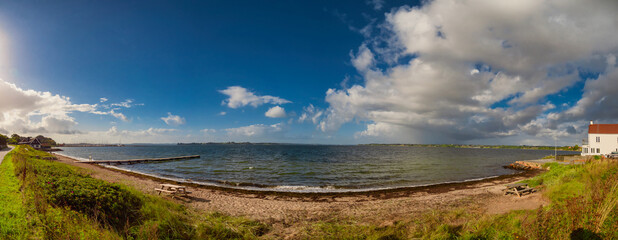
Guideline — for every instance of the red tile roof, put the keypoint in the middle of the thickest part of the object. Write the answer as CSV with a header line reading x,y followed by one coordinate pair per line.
x,y
603,128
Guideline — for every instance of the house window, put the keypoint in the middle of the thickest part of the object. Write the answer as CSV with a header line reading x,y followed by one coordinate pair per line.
x,y
585,150
598,150
598,139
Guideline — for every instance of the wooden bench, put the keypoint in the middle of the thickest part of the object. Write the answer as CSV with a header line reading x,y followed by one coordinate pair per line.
x,y
173,190
518,189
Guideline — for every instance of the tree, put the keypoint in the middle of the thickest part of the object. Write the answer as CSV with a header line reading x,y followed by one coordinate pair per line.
x,y
14,139
3,140
46,140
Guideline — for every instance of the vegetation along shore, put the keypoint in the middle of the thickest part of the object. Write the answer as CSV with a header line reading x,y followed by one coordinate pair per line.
x,y
60,199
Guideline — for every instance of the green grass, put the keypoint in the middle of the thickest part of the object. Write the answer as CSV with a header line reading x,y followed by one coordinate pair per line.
x,y
219,226
584,199
62,202
584,206
12,214
58,201
354,230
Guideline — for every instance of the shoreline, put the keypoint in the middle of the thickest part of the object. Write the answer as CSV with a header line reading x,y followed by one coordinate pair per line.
x,y
384,193
391,192
289,213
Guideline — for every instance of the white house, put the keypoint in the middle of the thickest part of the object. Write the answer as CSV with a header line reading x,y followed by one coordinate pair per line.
x,y
602,139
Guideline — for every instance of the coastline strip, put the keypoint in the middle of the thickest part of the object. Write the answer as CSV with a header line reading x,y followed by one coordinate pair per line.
x,y
390,191
132,161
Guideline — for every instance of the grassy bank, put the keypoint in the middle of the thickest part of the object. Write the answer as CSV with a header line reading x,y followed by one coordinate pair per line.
x,y
12,213
51,200
584,200
41,199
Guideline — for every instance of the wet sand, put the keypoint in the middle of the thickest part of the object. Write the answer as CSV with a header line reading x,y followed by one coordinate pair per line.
x,y
287,212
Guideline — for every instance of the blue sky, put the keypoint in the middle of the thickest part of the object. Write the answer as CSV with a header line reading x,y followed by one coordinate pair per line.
x,y
339,72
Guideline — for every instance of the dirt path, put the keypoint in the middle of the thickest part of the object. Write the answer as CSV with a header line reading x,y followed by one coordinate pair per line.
x,y
382,207
4,151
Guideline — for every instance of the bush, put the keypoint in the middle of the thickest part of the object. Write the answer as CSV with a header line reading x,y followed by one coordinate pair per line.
x,y
3,141
67,204
60,185
105,202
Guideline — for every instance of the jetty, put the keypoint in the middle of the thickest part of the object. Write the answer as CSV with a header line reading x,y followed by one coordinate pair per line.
x,y
537,164
133,161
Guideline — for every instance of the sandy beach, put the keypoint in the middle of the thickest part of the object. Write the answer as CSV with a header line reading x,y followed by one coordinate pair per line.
x,y
287,212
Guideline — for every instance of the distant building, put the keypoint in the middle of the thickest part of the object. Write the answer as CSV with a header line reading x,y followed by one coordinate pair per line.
x,y
33,142
602,139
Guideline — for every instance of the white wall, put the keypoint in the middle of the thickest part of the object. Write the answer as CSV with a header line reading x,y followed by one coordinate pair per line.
x,y
608,143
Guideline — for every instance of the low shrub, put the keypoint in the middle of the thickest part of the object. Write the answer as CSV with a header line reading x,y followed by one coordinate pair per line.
x,y
105,202
62,186
65,203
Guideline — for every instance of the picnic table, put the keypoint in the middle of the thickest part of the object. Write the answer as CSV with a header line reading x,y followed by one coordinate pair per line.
x,y
172,189
518,188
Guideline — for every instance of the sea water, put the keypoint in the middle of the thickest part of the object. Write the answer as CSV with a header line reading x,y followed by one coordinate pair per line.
x,y
315,168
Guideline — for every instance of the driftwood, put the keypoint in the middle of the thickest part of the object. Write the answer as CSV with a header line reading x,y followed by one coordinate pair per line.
x,y
518,189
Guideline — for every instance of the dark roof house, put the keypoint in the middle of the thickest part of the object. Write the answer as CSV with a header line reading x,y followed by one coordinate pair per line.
x,y
33,142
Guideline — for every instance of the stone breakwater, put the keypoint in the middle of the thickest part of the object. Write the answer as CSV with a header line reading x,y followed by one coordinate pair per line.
x,y
524,165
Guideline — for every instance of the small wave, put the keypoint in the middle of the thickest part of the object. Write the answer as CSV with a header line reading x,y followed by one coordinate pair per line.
x,y
278,188
290,188
304,188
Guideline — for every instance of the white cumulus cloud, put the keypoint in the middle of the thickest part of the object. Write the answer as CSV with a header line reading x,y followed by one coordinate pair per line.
x,y
488,76
256,130
118,115
116,135
240,97
276,112
208,131
363,59
173,120
128,103
310,113
34,112
113,131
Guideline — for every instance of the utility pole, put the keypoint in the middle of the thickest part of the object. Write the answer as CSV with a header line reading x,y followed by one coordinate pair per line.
x,y
555,149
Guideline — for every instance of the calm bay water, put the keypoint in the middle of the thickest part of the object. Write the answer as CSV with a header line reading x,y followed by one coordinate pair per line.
x,y
312,168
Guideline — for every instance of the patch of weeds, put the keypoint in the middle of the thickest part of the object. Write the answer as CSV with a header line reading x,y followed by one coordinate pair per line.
x,y
13,222
219,226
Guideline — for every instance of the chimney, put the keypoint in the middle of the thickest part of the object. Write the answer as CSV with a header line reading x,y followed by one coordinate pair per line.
x,y
591,122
